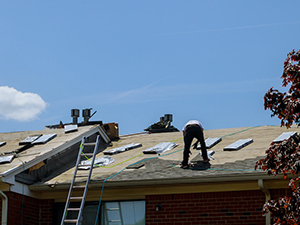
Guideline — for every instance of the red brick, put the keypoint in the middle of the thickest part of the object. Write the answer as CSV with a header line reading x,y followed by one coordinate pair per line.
x,y
205,208
35,211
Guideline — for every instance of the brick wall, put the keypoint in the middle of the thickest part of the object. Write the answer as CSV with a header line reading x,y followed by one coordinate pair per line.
x,y
32,211
242,207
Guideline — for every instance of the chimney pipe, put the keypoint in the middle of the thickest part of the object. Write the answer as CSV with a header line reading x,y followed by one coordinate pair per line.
x,y
75,115
168,117
86,113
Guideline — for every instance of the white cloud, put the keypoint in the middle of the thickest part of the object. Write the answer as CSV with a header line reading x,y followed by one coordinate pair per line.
x,y
20,106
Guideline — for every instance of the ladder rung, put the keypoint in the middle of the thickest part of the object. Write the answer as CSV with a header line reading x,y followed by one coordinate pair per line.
x,y
82,175
70,221
89,144
73,209
87,154
113,209
81,165
76,198
78,186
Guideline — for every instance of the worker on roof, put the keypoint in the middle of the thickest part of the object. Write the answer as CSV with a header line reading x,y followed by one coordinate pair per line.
x,y
193,129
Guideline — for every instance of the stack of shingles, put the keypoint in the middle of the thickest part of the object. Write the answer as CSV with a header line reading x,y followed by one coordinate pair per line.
x,y
28,142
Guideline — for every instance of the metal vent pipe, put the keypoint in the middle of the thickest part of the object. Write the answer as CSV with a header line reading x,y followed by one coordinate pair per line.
x,y
86,113
75,115
168,117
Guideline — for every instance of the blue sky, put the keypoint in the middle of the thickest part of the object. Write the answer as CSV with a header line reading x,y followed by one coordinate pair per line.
x,y
134,61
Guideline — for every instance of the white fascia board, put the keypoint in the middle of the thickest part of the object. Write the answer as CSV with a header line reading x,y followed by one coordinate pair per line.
x,y
166,181
103,134
8,179
8,176
23,189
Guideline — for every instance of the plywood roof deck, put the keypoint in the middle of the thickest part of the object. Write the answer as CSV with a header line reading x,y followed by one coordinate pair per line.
x,y
12,144
160,166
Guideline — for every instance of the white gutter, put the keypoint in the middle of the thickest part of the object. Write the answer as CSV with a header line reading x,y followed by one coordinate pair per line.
x,y
4,208
268,197
166,181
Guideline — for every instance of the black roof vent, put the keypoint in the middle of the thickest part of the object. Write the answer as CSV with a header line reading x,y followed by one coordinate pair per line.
x,y
164,125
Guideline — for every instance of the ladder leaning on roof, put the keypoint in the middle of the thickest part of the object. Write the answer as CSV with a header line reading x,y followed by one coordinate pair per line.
x,y
84,188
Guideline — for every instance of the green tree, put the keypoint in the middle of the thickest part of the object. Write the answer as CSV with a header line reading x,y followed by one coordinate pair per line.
x,y
284,157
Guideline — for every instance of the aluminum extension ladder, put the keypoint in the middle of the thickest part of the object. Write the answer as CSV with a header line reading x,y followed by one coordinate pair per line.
x,y
84,188
113,214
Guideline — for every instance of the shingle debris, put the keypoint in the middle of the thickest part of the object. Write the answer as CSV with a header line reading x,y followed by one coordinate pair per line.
x,y
209,154
2,143
44,139
122,149
137,165
6,159
29,139
86,164
238,144
37,139
210,142
71,128
160,148
285,136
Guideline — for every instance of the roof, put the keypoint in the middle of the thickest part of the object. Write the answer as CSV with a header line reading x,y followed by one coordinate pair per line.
x,y
35,154
133,167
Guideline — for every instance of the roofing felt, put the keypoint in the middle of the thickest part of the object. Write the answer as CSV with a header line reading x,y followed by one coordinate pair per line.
x,y
133,165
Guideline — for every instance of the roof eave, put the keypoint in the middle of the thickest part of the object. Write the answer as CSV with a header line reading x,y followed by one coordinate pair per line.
x,y
165,181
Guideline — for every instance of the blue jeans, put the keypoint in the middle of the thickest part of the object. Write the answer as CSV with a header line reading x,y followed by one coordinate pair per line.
x,y
193,131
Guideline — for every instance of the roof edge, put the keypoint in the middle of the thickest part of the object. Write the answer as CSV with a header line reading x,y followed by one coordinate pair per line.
x,y
186,180
6,176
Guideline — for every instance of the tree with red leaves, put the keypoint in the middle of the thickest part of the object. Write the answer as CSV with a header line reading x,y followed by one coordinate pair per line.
x,y
284,157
